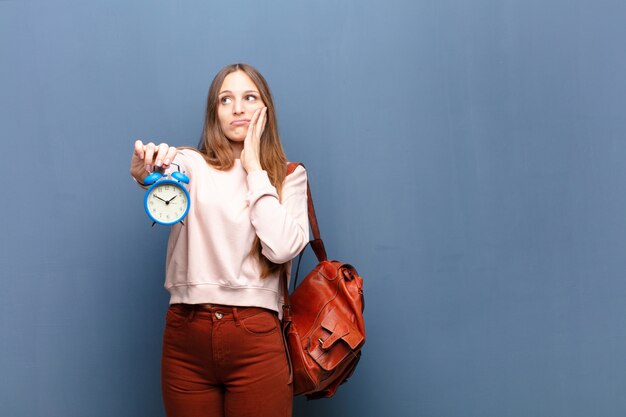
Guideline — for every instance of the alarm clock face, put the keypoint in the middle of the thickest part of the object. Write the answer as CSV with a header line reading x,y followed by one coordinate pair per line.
x,y
167,202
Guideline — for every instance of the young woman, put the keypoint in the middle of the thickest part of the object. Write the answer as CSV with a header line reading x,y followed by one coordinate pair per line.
x,y
223,352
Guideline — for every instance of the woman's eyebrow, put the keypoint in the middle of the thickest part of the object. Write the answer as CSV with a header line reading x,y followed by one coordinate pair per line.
x,y
245,92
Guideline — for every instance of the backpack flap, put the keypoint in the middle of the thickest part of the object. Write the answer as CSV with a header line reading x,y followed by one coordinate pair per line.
x,y
340,329
336,344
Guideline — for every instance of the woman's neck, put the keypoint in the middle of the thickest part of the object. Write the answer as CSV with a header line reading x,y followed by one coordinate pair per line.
x,y
237,147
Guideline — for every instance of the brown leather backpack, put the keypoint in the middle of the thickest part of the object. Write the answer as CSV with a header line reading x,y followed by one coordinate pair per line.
x,y
323,320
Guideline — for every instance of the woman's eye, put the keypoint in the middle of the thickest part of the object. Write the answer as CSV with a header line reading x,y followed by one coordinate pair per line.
x,y
250,97
225,100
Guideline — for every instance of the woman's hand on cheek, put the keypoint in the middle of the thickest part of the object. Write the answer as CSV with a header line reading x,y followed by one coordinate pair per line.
x,y
251,154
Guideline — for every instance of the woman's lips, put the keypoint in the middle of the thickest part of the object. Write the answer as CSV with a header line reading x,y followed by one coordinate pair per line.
x,y
240,122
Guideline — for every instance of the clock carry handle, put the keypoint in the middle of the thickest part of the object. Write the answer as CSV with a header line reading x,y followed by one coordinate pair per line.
x,y
156,175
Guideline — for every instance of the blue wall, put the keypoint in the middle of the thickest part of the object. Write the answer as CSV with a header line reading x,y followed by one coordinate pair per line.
x,y
467,157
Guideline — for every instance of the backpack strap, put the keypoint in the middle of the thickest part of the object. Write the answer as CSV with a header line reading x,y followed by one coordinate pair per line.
x,y
317,244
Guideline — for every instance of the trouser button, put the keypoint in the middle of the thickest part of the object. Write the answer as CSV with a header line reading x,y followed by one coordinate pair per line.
x,y
219,315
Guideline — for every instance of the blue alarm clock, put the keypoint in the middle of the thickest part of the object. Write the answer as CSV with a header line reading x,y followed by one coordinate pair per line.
x,y
167,200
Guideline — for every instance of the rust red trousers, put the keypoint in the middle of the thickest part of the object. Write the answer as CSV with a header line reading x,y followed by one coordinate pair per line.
x,y
224,362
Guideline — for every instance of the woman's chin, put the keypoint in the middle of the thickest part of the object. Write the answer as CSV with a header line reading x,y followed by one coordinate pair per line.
x,y
239,133
235,139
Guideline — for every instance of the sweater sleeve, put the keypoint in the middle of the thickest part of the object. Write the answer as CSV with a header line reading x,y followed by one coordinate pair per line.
x,y
282,227
182,162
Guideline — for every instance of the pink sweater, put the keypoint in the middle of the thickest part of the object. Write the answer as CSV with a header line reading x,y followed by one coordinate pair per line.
x,y
208,258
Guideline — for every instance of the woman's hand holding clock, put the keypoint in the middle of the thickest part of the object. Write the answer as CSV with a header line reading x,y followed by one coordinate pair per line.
x,y
149,157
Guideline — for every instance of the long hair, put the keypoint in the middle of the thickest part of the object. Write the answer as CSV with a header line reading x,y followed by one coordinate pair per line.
x,y
216,148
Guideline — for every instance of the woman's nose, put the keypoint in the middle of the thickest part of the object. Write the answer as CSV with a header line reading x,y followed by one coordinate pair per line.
x,y
238,107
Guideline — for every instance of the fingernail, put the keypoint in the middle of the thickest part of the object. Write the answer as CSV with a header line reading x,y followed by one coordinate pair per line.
x,y
148,168
159,162
167,161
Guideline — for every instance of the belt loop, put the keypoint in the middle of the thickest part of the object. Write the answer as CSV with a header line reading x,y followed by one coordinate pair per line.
x,y
236,316
192,314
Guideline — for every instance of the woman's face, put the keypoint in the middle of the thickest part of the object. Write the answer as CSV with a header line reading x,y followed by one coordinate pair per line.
x,y
237,101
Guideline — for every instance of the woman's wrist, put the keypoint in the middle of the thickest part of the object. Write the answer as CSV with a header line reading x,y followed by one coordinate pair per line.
x,y
139,180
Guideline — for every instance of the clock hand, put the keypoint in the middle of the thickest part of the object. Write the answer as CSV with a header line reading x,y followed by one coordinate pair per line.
x,y
161,199
168,201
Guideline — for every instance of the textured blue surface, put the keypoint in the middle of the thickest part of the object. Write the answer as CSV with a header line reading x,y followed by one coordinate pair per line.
x,y
467,157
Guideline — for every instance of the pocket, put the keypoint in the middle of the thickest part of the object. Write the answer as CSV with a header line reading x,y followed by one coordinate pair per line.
x,y
261,324
175,318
